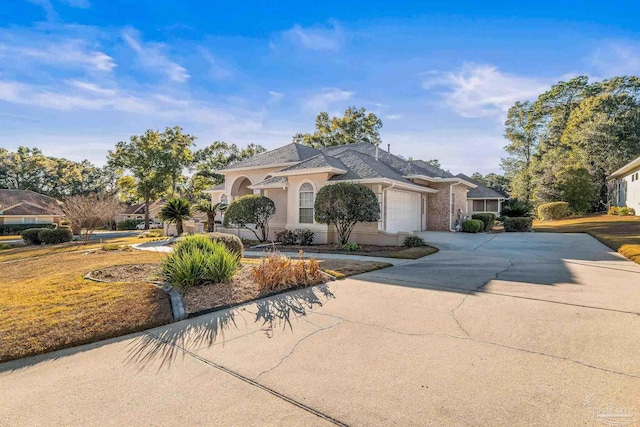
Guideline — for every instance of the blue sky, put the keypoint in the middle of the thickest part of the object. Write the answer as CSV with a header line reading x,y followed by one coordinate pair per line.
x,y
76,76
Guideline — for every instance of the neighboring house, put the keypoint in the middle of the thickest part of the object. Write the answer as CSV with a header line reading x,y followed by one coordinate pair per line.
x,y
483,199
627,185
413,195
136,212
28,207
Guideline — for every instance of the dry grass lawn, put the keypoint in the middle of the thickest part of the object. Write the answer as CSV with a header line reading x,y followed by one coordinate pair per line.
x,y
621,233
45,304
4,238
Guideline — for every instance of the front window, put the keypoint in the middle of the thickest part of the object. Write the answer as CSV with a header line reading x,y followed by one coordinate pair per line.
x,y
306,203
492,206
478,205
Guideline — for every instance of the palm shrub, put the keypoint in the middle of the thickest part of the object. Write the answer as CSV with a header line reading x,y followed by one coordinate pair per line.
x,y
517,208
198,260
211,209
176,211
344,205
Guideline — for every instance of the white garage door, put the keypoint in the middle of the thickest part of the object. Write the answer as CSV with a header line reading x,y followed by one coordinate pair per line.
x,y
403,211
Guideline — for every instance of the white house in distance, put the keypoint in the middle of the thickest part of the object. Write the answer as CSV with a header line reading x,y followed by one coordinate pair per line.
x,y
627,185
413,195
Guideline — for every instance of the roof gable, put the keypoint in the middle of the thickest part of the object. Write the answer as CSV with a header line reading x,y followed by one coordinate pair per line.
x,y
290,153
481,191
28,200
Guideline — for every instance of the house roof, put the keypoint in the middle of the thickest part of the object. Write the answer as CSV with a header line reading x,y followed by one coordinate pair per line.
x,y
27,202
219,187
290,153
362,166
626,169
481,191
320,161
272,182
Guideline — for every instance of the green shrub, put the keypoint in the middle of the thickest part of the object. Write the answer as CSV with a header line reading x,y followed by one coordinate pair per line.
x,y
413,242
518,224
31,236
286,237
488,219
345,204
305,236
197,260
621,210
625,211
4,246
10,229
251,209
55,236
233,243
472,226
129,224
553,211
516,209
111,247
350,246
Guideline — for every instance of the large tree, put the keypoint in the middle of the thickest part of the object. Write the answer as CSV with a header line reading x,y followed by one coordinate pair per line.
x,y
521,130
355,126
155,162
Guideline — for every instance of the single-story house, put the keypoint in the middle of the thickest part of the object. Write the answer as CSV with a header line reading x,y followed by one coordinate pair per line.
x,y
28,207
136,212
483,199
626,191
413,195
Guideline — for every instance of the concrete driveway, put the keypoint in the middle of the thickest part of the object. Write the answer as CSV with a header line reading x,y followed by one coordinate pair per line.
x,y
508,329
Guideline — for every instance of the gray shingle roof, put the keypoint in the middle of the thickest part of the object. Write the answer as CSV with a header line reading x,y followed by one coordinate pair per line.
x,y
481,191
287,154
274,180
362,166
316,162
431,170
217,187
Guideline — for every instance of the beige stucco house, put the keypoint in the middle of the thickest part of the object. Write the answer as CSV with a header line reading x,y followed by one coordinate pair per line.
x,y
627,185
28,207
413,195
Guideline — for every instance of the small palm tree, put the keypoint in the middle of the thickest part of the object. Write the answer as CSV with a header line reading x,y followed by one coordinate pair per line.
x,y
176,210
211,209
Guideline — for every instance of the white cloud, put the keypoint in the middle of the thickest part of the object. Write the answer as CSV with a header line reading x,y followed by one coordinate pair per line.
x,y
275,98
218,70
616,58
393,117
46,5
66,53
477,90
326,99
151,57
330,38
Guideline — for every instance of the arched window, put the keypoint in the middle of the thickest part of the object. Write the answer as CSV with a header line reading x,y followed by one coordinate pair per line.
x,y
223,199
307,197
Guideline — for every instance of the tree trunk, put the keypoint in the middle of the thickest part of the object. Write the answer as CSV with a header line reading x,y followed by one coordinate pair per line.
x,y
179,227
146,213
211,222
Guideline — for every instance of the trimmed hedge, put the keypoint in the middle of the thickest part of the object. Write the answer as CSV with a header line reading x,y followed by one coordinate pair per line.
x,y
487,218
472,226
55,236
302,237
413,242
231,242
10,229
31,236
621,211
518,224
553,211
129,224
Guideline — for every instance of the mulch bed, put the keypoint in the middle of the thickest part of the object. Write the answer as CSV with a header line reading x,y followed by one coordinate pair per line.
x,y
365,250
129,273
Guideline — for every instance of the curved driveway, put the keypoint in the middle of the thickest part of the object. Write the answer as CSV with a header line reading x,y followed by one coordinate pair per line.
x,y
507,329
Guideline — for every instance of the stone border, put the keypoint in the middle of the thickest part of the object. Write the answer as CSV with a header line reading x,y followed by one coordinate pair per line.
x,y
177,305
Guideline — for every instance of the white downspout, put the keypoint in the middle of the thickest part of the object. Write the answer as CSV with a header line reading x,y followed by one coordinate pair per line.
x,y
451,206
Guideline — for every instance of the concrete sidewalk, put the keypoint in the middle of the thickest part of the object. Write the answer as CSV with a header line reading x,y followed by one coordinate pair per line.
x,y
500,330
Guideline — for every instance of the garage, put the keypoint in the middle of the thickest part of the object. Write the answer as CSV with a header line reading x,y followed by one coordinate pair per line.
x,y
403,211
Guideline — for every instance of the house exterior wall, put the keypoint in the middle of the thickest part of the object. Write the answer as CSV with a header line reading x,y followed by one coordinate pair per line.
x,y
254,175
318,180
440,214
279,197
28,219
471,211
628,190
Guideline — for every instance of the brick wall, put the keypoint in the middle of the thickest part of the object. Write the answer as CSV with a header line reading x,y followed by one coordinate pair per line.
x,y
439,208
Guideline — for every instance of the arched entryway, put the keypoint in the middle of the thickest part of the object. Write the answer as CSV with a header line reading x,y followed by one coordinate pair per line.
x,y
240,187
